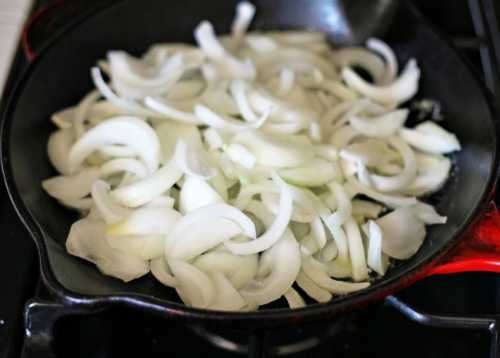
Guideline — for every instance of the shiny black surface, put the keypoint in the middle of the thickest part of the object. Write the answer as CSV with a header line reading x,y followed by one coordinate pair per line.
x,y
121,331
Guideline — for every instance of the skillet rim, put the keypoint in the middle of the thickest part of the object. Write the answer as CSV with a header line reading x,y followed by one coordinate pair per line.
x,y
268,317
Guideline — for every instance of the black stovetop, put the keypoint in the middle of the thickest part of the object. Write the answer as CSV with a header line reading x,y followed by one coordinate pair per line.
x,y
122,332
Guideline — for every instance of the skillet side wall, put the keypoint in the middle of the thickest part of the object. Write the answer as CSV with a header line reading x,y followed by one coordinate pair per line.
x,y
61,77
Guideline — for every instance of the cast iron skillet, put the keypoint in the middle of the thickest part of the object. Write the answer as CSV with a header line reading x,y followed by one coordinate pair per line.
x,y
59,77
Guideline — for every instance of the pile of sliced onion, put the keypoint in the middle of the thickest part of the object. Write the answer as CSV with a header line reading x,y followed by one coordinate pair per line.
x,y
249,168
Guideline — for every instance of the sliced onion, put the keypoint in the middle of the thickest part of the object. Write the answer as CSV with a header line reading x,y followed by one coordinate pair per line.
x,y
276,150
128,131
227,298
366,208
208,117
369,152
213,139
192,162
356,250
81,112
391,63
145,190
398,91
146,221
312,289
431,179
407,175
238,90
123,165
277,228
161,271
375,257
344,207
294,299
166,110
319,232
196,286
431,138
286,263
318,274
391,201
74,187
238,269
147,247
427,214
222,229
340,239
86,239
241,155
196,193
315,172
358,56
111,211
63,119
58,147
403,233
382,126
169,133
329,252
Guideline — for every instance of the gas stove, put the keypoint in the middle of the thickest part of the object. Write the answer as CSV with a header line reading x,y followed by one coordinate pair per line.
x,y
441,316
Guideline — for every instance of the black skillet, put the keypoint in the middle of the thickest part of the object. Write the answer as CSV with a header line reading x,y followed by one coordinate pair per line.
x,y
59,77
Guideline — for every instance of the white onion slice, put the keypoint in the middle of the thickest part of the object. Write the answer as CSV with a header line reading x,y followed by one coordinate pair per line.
x,y
128,131
344,207
427,214
227,298
195,285
369,152
315,172
123,165
146,221
63,119
110,210
68,188
294,299
145,190
402,89
366,208
161,271
58,147
196,193
81,112
192,162
407,175
147,247
86,239
240,154
391,63
329,252
431,179
210,118
213,139
312,289
286,263
375,257
238,91
277,228
356,250
166,110
403,233
382,126
431,138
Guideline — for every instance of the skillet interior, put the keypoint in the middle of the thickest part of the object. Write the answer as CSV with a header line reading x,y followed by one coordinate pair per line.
x,y
60,77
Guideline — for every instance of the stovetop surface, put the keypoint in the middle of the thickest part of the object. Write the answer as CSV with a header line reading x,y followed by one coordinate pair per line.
x,y
124,332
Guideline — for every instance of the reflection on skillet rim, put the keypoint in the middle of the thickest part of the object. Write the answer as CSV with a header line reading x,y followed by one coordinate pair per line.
x,y
171,309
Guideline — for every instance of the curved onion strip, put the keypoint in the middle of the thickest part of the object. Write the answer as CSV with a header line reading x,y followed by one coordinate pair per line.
x,y
382,126
162,201
196,193
109,209
63,119
68,188
81,112
277,228
286,263
117,151
343,136
366,208
206,214
375,257
430,138
146,221
398,91
403,233
128,131
245,12
340,239
227,298
166,110
369,152
391,63
300,214
196,286
427,214
213,139
240,154
210,118
123,165
319,232
401,180
344,207
126,105
58,147
312,289
190,161
238,269
318,274
356,250
147,247
294,299
391,201
430,180
238,91
84,204
86,239
148,188
358,56
161,272
329,252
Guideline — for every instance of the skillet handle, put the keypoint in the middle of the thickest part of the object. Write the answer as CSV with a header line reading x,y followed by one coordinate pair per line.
x,y
480,251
